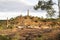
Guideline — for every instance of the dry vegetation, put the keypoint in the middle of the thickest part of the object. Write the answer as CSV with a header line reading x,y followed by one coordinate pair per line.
x,y
45,29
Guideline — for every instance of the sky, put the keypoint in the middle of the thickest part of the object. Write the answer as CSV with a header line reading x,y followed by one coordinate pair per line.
x,y
13,8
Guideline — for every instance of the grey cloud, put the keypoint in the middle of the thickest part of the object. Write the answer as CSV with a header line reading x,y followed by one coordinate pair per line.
x,y
13,6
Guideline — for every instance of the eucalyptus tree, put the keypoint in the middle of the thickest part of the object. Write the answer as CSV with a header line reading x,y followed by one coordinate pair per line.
x,y
59,7
46,5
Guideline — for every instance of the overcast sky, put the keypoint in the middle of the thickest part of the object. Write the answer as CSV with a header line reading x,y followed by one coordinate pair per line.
x,y
13,8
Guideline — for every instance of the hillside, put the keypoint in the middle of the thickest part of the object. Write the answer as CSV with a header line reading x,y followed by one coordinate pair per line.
x,y
29,21
34,28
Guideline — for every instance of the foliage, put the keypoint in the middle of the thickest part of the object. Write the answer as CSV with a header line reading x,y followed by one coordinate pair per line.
x,y
4,37
43,5
50,13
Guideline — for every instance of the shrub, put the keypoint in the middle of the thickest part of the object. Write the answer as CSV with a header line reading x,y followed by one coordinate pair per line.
x,y
4,37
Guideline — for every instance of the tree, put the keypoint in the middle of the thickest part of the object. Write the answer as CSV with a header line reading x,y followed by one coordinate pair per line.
x,y
43,5
59,7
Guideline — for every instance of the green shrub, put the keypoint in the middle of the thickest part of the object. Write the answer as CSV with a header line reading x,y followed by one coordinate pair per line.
x,y
4,37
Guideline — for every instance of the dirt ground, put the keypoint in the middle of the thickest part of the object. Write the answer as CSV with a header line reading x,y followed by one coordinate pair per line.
x,y
25,34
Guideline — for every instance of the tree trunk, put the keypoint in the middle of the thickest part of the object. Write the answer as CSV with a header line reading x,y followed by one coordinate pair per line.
x,y
59,7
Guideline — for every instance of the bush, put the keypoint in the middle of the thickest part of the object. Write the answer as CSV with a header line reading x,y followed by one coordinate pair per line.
x,y
4,37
